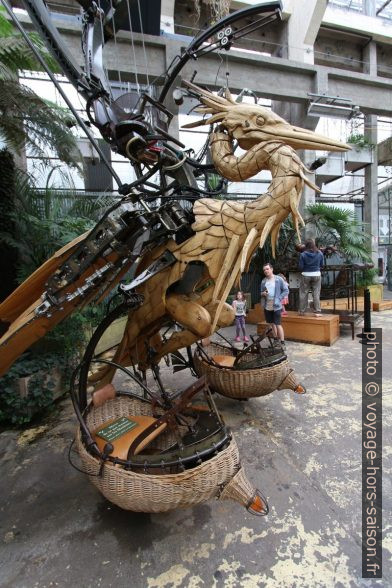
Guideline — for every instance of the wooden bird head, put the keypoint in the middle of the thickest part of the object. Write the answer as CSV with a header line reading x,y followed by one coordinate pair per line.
x,y
251,124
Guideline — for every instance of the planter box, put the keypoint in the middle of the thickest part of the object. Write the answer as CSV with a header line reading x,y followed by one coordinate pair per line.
x,y
376,292
53,376
358,157
383,305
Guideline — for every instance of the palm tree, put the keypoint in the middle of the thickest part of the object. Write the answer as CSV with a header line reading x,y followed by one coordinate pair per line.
x,y
340,227
26,120
332,226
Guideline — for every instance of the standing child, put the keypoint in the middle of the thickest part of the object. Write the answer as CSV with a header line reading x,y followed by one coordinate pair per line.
x,y
285,300
239,305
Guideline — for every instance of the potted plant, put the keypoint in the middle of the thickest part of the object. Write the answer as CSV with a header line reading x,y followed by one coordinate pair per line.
x,y
367,281
359,141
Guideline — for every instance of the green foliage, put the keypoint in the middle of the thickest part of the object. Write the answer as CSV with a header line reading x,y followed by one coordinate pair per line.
x,y
16,410
26,119
340,227
45,221
42,223
213,182
16,55
61,348
8,256
360,141
367,277
332,225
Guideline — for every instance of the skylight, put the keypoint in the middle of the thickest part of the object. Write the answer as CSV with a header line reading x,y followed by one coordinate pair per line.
x,y
383,7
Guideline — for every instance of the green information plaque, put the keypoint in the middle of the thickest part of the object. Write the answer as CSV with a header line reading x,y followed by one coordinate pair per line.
x,y
117,429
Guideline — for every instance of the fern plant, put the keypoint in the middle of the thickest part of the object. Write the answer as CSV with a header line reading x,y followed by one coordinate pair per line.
x,y
41,223
25,118
46,220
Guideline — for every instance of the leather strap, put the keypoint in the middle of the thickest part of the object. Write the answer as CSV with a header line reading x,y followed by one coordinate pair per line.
x,y
170,414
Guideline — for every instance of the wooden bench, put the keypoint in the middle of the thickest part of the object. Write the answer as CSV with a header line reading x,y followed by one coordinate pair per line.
x,y
321,330
348,318
383,305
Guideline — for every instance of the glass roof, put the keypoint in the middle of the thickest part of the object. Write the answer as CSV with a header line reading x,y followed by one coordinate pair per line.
x,y
383,7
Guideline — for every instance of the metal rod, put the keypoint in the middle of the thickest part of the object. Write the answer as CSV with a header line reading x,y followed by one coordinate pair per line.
x,y
352,289
367,311
83,125
382,7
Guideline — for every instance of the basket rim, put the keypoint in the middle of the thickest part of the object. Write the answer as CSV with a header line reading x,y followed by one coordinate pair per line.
x,y
225,436
187,474
230,369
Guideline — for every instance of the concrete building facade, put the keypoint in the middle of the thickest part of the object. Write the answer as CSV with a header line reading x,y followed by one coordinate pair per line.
x,y
321,54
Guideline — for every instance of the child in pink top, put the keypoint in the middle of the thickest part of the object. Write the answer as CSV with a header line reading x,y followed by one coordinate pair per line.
x,y
285,300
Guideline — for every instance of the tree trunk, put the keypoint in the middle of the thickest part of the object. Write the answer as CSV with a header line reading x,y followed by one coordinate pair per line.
x,y
8,257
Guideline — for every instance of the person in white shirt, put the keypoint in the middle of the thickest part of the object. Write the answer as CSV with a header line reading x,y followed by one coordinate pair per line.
x,y
273,290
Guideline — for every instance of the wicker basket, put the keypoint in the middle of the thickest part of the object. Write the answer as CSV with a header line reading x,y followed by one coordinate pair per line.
x,y
162,492
244,383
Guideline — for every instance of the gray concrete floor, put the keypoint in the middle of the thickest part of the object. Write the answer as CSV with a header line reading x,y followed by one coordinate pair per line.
x,y
387,293
303,452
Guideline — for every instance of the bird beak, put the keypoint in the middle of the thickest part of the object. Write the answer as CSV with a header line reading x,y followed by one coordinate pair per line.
x,y
299,138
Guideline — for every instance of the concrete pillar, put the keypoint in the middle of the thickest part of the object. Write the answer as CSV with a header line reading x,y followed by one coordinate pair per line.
x,y
369,52
174,128
369,7
302,27
370,211
296,114
298,38
369,55
308,194
167,16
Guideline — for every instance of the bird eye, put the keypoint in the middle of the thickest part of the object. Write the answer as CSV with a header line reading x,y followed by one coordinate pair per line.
x,y
260,120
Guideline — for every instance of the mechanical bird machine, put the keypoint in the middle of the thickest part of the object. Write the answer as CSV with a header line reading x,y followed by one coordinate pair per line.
x,y
181,252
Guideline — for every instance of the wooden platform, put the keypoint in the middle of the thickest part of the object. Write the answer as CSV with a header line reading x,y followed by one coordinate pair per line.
x,y
323,330
340,304
344,304
256,314
382,305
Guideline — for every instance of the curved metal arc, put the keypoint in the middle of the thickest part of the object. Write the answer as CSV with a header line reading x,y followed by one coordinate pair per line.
x,y
42,22
269,6
93,82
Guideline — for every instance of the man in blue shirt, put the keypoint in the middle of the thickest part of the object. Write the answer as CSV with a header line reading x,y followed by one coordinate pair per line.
x,y
273,290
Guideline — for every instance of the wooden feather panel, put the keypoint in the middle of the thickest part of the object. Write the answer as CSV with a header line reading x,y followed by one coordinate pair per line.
x,y
216,231
193,244
207,206
201,225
